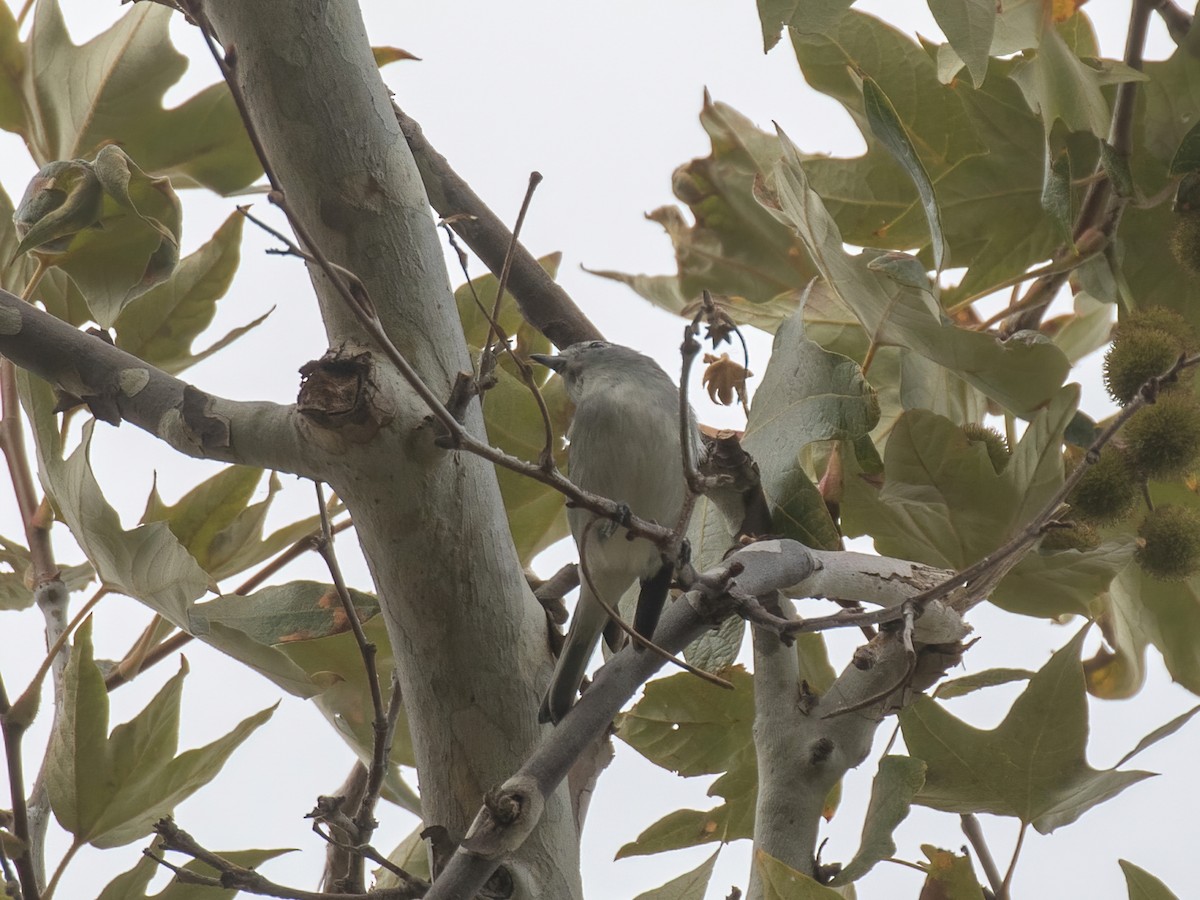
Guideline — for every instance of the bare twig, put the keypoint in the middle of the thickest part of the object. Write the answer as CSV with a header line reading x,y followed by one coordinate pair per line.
x,y
417,886
239,877
488,360
383,721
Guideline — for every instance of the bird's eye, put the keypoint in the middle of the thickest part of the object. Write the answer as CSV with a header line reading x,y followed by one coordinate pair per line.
x,y
596,345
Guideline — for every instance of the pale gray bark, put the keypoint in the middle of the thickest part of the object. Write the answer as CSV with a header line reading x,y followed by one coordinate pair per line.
x,y
468,637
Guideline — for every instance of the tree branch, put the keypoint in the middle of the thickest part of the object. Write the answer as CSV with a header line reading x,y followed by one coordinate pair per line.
x,y
118,386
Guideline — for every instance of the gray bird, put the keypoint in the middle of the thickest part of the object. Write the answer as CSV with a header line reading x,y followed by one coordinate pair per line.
x,y
624,445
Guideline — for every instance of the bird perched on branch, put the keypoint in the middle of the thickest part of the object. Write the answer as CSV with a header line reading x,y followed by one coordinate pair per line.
x,y
624,445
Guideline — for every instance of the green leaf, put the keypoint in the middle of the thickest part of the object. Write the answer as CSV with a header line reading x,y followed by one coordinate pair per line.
x,y
12,74
481,291
942,503
897,781
806,15
807,394
717,648
691,885
283,613
1021,376
206,510
951,877
888,128
968,26
968,684
161,324
693,728
110,790
335,662
410,855
1057,84
1142,885
1187,157
111,227
982,149
782,882
147,563
1163,731
110,91
1142,611
1031,766
132,885
1056,191
754,266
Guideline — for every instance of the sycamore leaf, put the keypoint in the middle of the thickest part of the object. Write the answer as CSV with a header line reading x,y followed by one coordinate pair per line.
x,y
692,728
1032,766
110,91
807,394
887,127
109,790
161,324
1142,885
335,662
897,781
968,684
782,882
111,227
691,885
968,26
1020,375
807,15
147,562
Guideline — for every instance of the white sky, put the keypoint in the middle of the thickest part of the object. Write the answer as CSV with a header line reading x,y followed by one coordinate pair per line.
x,y
602,99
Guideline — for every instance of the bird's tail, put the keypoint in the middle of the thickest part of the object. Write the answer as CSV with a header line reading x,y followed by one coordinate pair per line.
x,y
586,627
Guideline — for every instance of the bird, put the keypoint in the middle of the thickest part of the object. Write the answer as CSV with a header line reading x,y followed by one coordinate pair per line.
x,y
623,444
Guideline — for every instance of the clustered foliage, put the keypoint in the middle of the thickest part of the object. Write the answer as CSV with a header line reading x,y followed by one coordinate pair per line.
x,y
1012,143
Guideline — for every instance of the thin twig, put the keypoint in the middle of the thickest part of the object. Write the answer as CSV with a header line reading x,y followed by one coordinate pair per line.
x,y
546,457
488,360
381,745
418,885
13,731
239,877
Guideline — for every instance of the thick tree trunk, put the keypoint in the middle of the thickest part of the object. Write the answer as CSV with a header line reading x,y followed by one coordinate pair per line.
x,y
468,637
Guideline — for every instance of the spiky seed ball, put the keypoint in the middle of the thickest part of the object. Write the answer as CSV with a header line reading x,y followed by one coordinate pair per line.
x,y
1072,536
1108,489
992,440
1161,319
1185,241
1163,439
1169,543
1136,356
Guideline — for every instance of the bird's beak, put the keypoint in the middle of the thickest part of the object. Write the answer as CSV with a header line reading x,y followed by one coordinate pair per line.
x,y
550,362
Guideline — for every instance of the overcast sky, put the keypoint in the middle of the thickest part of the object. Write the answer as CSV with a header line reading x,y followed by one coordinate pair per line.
x,y
602,99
